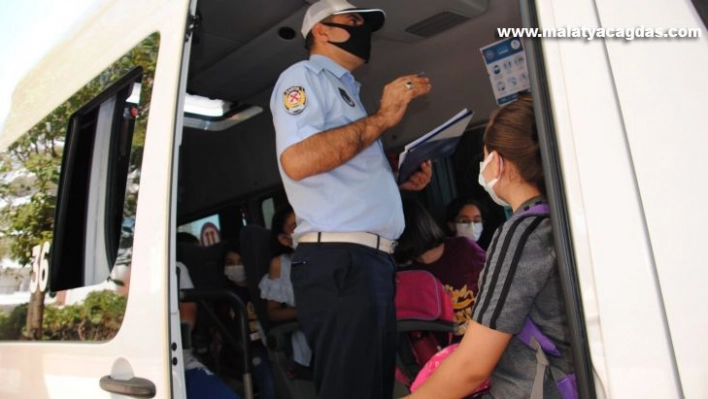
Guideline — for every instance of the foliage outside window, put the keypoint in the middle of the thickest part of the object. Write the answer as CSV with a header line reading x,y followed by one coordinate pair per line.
x,y
29,176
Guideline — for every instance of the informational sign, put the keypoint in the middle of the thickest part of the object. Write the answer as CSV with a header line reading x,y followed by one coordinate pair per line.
x,y
507,68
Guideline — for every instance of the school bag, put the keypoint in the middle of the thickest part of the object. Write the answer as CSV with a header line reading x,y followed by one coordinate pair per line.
x,y
425,320
433,364
532,337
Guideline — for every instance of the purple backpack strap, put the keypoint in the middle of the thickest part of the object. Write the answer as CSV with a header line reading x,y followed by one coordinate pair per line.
x,y
532,337
529,330
540,209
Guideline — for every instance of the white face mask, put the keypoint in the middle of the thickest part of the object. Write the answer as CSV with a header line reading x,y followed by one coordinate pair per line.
x,y
235,273
471,230
489,186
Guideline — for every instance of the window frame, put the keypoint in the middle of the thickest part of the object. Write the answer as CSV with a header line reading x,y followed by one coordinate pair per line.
x,y
555,189
68,256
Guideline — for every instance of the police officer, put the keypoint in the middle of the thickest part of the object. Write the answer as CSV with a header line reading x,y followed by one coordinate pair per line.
x,y
347,203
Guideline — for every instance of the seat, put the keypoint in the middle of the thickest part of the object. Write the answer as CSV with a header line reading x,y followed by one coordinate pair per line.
x,y
205,264
215,300
424,319
256,254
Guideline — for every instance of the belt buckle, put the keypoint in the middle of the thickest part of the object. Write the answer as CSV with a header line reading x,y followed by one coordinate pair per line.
x,y
379,244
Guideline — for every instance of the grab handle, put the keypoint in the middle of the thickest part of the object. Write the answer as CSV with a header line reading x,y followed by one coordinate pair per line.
x,y
136,387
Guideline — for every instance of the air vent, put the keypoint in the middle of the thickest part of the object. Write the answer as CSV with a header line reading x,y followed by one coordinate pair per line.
x,y
436,24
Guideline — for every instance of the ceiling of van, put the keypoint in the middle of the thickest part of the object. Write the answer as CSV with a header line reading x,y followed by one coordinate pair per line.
x,y
241,46
236,56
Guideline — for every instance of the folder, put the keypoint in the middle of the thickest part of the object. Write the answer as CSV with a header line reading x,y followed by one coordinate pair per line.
x,y
437,143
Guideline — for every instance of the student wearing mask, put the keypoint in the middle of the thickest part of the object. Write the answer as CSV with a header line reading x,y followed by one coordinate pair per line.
x,y
520,282
464,218
201,382
455,261
235,271
277,288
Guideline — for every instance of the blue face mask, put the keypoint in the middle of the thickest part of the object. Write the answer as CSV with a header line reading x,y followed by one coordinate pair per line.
x,y
489,186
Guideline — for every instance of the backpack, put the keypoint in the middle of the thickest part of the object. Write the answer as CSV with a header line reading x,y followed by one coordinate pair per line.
x,y
425,320
532,337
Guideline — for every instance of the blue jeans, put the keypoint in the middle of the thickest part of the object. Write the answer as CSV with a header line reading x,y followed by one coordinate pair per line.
x,y
262,373
202,383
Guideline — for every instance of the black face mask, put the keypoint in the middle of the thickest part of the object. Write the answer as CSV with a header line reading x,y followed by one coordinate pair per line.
x,y
359,42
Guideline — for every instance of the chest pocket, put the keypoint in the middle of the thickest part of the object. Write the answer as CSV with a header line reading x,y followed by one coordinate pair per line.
x,y
344,104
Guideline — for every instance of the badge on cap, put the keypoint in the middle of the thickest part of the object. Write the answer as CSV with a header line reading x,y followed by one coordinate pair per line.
x,y
346,97
294,99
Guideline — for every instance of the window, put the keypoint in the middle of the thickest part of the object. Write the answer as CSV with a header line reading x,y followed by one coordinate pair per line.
x,y
270,205
268,210
207,230
73,181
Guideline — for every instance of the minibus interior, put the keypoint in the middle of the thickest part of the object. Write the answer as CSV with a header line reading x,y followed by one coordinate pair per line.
x,y
227,169
144,138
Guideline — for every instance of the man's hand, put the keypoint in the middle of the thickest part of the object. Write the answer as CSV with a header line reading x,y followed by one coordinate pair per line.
x,y
419,179
397,95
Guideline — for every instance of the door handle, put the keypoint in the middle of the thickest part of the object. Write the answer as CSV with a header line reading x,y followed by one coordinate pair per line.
x,y
136,387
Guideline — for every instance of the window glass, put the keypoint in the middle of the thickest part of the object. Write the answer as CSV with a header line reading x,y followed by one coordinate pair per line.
x,y
268,210
207,230
68,195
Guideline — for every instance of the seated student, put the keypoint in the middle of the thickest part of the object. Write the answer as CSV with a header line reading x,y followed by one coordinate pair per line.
x,y
277,288
464,218
520,282
200,381
455,261
235,271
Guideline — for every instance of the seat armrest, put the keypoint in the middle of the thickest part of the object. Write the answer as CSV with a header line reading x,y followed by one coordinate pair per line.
x,y
407,325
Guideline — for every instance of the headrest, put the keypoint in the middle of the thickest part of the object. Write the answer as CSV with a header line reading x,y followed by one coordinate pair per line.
x,y
205,264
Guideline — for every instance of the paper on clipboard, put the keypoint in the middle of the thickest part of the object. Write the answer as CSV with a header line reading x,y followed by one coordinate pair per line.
x,y
438,143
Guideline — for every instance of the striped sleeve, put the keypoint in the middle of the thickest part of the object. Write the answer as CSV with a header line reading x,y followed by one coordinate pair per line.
x,y
520,261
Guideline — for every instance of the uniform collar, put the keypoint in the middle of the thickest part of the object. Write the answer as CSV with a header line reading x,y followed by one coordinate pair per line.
x,y
329,64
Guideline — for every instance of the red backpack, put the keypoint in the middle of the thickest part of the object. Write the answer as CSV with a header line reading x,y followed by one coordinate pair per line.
x,y
425,320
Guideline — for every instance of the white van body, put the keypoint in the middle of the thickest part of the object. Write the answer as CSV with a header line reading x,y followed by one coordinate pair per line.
x,y
142,347
632,161
628,161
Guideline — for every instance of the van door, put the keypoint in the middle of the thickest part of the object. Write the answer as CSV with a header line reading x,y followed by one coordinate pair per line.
x,y
626,109
663,110
87,198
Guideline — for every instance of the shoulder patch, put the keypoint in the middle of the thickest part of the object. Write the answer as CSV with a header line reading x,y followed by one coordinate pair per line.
x,y
294,99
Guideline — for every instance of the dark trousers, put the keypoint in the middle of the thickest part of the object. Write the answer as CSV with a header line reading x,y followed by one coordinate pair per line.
x,y
344,298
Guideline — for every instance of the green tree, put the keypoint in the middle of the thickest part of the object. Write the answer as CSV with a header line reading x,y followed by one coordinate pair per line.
x,y
97,318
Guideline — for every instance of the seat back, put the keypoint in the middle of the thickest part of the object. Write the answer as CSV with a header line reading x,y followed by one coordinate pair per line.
x,y
206,269
205,264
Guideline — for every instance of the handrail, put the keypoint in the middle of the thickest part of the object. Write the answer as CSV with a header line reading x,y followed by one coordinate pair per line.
x,y
200,296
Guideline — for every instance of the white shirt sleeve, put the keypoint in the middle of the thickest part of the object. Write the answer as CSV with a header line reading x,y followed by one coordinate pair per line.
x,y
184,280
